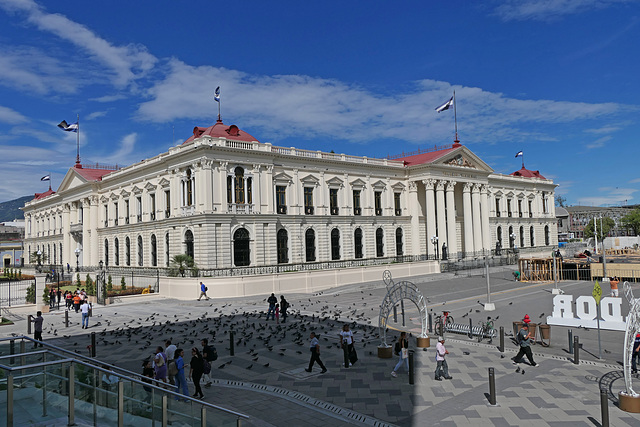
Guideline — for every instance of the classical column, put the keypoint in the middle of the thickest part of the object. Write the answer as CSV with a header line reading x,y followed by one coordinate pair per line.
x,y
468,221
477,225
66,235
414,211
94,231
256,190
295,204
440,211
452,244
204,186
323,200
86,238
430,216
270,190
486,233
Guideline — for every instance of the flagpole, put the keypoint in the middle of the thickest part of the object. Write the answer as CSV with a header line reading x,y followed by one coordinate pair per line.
x,y
78,143
522,160
49,173
455,117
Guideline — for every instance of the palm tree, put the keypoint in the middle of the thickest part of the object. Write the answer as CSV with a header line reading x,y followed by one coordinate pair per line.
x,y
182,263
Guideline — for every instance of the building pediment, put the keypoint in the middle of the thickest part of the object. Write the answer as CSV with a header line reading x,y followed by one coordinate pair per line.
x,y
335,182
310,180
164,183
150,187
71,180
124,194
379,185
282,178
136,190
358,183
464,158
398,186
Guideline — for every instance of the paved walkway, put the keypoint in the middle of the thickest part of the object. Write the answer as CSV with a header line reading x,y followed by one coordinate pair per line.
x,y
266,377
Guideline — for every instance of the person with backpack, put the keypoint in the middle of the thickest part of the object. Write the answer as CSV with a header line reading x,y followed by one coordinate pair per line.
x,y
209,354
284,305
524,339
272,306
203,291
402,351
196,371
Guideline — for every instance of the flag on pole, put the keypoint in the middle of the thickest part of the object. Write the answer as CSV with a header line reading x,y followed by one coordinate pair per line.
x,y
445,106
46,178
519,154
69,128
216,96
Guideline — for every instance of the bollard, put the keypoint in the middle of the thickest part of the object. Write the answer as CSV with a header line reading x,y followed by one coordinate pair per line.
x,y
501,339
576,350
402,310
66,318
604,408
492,387
570,333
430,322
93,344
411,367
470,328
29,317
12,349
395,314
231,350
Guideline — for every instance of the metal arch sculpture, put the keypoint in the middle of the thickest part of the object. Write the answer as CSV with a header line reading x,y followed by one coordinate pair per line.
x,y
396,292
633,327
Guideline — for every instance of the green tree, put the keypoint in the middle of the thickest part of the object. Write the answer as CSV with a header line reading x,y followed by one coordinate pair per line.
x,y
88,285
123,284
561,201
183,264
604,226
631,221
78,283
34,258
110,284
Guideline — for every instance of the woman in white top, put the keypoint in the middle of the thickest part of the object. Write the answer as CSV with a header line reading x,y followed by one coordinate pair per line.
x,y
346,342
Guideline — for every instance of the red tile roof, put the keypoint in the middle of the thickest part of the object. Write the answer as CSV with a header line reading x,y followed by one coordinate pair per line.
x,y
526,173
220,130
429,157
39,196
91,174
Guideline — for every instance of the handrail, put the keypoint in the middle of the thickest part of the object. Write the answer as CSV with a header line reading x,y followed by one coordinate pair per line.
x,y
130,374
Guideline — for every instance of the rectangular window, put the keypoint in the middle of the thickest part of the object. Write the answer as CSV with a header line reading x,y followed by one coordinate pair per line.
x,y
333,201
530,209
509,207
357,210
167,204
139,204
308,201
106,215
396,204
126,206
377,198
115,208
153,206
249,185
498,206
229,189
545,207
520,208
281,199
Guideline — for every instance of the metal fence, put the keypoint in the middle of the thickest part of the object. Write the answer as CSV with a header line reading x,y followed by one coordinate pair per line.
x,y
14,292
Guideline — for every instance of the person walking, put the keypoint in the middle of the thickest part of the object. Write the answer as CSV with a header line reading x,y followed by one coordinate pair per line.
x,y
442,369
196,370
346,342
160,365
277,313
315,353
635,355
402,351
37,331
524,339
76,302
209,354
59,295
52,298
85,314
203,291
181,381
272,306
284,305
170,351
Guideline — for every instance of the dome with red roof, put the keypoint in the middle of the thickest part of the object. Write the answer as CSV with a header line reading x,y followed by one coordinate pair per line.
x,y
526,173
220,130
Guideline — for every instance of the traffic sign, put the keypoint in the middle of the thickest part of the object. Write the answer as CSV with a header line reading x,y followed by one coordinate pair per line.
x,y
597,292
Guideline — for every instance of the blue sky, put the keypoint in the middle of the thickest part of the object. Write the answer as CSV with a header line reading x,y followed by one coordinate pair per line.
x,y
557,79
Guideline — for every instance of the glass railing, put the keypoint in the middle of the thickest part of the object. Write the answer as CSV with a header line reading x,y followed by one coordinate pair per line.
x,y
50,385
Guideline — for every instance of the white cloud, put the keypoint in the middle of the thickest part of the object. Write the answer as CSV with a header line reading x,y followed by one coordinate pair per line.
x,y
611,196
635,181
289,105
545,10
603,129
126,63
7,115
122,156
108,98
600,142
95,115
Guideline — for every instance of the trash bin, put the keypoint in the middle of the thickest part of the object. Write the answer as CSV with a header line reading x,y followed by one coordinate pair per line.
x,y
516,327
545,332
532,331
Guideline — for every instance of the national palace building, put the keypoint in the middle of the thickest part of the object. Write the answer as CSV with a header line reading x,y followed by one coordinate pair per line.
x,y
228,200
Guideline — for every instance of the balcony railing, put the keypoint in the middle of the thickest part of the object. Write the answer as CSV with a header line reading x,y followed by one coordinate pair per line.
x,y
240,208
188,210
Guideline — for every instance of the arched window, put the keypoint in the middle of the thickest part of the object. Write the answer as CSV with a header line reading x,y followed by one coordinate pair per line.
x,y
127,251
512,237
379,242
531,234
546,235
399,243
521,237
310,244
241,251
335,244
154,251
61,260
55,257
283,249
357,243
48,253
116,251
188,244
106,252
239,184
189,184
140,252
166,250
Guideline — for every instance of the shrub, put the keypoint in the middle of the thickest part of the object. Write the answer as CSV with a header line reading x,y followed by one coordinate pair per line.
x,y
109,284
89,285
31,294
123,284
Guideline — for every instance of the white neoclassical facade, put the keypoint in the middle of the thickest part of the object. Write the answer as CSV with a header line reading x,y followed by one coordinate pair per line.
x,y
229,200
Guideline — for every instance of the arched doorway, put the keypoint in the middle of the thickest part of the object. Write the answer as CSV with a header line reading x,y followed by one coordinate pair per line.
x,y
357,243
283,248
310,244
335,244
399,243
241,250
154,251
188,244
379,242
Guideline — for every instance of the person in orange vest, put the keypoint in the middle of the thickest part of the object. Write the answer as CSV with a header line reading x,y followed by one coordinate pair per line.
x,y
613,282
76,302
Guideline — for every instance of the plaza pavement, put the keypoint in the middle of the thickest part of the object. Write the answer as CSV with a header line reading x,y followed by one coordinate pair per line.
x,y
266,378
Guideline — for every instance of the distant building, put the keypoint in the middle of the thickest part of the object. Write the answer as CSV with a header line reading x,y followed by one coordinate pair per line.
x,y
228,200
11,236
580,216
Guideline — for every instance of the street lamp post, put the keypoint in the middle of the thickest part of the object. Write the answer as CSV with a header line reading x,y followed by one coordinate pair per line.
x,y
512,240
77,251
39,253
434,240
